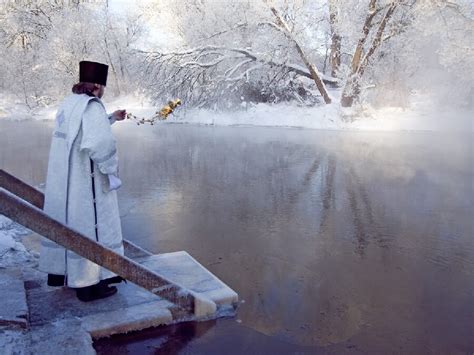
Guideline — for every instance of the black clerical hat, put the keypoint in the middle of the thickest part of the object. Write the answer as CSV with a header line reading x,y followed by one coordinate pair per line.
x,y
92,72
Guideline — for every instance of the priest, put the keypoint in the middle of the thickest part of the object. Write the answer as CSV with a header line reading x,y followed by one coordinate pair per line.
x,y
81,185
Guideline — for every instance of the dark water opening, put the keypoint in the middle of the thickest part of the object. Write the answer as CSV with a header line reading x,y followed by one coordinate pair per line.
x,y
335,241
211,337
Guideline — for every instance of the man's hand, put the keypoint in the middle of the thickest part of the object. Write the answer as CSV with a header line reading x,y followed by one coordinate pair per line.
x,y
119,115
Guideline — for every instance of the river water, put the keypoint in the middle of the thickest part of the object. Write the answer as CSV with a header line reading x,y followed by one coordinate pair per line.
x,y
335,241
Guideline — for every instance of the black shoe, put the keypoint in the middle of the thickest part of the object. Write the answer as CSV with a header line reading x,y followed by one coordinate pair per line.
x,y
95,292
113,280
55,280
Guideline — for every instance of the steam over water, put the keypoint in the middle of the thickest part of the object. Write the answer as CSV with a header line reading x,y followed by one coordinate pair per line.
x,y
336,241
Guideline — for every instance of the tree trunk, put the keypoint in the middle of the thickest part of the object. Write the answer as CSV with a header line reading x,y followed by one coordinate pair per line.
x,y
335,56
365,33
312,68
351,90
107,50
378,37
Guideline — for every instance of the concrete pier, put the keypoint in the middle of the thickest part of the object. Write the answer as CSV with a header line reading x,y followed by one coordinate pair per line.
x,y
43,319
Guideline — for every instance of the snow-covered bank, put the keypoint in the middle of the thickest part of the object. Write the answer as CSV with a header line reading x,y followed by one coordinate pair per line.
x,y
333,117
421,116
15,109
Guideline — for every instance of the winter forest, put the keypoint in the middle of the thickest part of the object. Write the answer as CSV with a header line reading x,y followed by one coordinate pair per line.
x,y
281,176
231,55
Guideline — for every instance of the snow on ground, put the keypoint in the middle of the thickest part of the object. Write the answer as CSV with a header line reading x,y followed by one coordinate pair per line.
x,y
15,109
12,251
422,115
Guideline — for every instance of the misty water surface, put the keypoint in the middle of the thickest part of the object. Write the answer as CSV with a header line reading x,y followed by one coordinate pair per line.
x,y
336,241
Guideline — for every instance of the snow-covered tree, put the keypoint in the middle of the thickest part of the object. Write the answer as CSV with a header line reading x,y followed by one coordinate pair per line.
x,y
43,41
440,51
397,45
255,55
223,54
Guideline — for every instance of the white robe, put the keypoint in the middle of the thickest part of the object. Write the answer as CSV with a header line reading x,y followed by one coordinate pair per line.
x,y
82,133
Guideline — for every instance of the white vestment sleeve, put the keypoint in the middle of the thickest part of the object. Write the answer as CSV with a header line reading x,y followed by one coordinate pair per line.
x,y
114,182
111,118
97,138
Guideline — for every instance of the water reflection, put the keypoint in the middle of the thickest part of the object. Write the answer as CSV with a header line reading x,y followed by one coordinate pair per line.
x,y
349,241
161,340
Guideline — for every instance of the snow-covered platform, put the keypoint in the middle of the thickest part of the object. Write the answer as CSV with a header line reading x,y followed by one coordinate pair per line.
x,y
132,308
44,317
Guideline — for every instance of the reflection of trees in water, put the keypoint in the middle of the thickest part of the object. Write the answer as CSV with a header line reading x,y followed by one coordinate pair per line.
x,y
328,193
300,190
312,170
359,203
369,225
361,210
